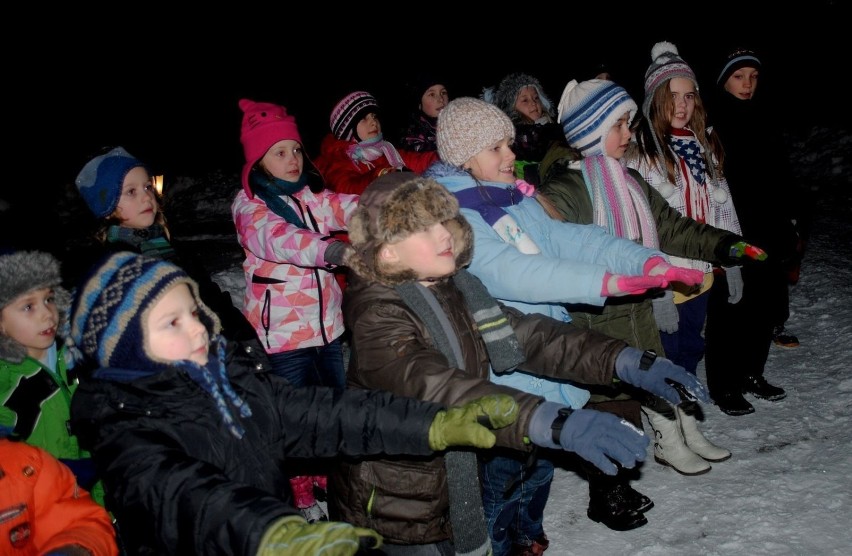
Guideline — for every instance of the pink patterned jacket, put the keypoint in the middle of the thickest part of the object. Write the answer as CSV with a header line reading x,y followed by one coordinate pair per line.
x,y
292,298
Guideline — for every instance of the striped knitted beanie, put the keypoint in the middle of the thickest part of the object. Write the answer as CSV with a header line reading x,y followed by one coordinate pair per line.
x,y
588,110
666,64
113,303
101,179
468,125
346,114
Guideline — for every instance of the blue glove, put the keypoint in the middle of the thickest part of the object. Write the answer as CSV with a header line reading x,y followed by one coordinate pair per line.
x,y
595,436
659,376
665,312
735,283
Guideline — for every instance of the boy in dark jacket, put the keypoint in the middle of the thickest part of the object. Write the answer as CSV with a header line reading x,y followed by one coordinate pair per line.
x,y
194,450
423,326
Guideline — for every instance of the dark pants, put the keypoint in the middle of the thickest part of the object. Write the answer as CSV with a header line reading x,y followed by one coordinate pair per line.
x,y
739,335
313,366
686,346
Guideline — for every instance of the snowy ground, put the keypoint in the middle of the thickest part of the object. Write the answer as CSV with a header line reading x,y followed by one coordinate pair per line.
x,y
788,487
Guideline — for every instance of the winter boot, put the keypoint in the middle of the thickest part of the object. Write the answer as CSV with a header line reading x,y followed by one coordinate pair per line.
x,y
695,440
614,505
669,445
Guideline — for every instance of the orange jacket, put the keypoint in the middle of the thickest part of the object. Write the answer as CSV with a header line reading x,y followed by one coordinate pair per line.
x,y
42,508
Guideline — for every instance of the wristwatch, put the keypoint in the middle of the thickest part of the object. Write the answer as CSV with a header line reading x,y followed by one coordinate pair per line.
x,y
559,422
647,359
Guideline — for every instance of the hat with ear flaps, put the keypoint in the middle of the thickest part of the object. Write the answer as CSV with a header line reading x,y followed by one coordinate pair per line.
x,y
588,110
101,179
666,64
505,95
392,208
22,272
113,302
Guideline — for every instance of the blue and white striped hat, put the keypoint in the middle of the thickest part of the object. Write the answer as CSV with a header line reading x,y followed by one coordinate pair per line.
x,y
589,109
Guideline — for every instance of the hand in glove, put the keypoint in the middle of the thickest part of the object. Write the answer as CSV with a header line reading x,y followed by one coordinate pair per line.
x,y
657,266
617,285
734,253
466,425
665,312
596,436
337,251
294,535
735,284
659,376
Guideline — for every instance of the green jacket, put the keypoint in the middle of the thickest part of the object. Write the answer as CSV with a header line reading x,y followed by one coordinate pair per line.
x,y
35,405
627,318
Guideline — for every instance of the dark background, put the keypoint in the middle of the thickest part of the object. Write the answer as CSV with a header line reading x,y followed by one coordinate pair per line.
x,y
166,86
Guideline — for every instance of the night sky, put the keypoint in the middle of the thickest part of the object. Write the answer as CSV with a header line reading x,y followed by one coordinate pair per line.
x,y
166,88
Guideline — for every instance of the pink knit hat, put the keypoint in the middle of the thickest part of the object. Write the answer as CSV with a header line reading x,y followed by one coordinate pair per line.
x,y
264,124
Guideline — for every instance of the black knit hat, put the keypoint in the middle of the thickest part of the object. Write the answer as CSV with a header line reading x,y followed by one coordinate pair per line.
x,y
736,59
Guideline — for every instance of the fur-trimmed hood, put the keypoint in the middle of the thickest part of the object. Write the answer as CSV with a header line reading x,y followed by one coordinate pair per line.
x,y
506,93
22,272
393,207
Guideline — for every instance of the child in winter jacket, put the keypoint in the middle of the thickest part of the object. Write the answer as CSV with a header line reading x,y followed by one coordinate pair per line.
x,y
535,263
44,510
194,445
355,152
36,380
597,189
424,326
429,93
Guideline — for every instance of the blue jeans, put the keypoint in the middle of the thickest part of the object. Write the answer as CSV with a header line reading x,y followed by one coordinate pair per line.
x,y
686,346
514,493
313,366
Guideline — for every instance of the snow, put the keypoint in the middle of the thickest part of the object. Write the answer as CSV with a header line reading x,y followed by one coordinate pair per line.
x,y
787,488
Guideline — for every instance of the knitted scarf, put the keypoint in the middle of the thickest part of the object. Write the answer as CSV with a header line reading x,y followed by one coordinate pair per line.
x,y
149,241
620,205
466,514
489,200
212,378
370,149
270,191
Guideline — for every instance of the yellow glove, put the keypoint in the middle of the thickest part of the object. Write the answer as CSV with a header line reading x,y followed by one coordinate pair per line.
x,y
466,425
294,535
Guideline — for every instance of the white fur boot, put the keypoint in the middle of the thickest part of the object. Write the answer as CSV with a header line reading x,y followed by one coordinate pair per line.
x,y
670,447
696,441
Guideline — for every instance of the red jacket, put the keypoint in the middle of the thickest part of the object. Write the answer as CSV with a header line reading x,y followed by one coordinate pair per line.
x,y
342,175
42,508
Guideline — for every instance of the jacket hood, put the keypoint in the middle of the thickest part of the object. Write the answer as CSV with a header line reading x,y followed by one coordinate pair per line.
x,y
393,207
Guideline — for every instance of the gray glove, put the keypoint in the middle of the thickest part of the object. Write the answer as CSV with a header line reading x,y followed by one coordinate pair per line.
x,y
665,312
336,251
735,283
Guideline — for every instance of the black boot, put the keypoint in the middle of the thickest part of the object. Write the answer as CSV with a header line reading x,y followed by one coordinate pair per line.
x,y
615,504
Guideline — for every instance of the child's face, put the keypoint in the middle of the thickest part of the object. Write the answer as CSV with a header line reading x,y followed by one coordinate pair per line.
x,y
368,127
429,253
528,103
434,100
618,138
683,97
742,83
494,163
31,320
173,329
284,160
137,206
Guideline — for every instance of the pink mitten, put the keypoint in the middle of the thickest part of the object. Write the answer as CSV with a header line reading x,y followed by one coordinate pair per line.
x,y
617,285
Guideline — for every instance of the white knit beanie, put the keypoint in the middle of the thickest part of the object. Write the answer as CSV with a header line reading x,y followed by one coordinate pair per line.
x,y
588,110
468,125
666,64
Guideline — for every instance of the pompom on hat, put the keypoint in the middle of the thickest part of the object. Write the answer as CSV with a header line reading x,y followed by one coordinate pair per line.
x,y
737,59
666,64
468,125
101,179
107,322
264,124
22,272
589,109
350,110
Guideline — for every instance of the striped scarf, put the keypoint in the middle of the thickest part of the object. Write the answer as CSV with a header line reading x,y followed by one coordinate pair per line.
x,y
620,206
151,241
371,149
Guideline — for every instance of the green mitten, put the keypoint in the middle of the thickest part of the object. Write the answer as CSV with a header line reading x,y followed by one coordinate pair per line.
x,y
294,535
466,425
